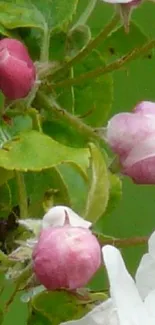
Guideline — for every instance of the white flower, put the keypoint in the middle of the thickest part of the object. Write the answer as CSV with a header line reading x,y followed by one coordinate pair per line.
x,y
145,275
126,306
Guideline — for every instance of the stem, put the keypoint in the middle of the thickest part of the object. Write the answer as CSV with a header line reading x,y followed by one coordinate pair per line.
x,y
36,119
116,65
22,195
72,92
19,281
45,45
123,242
92,45
50,105
4,260
86,14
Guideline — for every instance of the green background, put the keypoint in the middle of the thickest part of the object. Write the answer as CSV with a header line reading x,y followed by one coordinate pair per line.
x,y
135,214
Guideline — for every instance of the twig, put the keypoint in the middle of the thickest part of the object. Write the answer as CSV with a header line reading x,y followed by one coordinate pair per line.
x,y
22,195
92,45
116,65
122,242
51,105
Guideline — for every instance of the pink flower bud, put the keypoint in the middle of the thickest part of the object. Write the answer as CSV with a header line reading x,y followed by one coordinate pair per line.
x,y
66,257
17,71
132,137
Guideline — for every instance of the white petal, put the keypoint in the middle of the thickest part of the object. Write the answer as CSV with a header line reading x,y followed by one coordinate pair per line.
x,y
151,245
124,293
104,314
118,1
150,305
33,225
145,275
31,242
56,217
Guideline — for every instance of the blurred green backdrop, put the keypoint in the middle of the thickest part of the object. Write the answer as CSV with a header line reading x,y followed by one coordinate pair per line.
x,y
135,214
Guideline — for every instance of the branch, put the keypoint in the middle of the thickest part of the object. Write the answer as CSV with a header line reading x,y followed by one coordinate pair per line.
x,y
92,45
116,65
121,242
49,104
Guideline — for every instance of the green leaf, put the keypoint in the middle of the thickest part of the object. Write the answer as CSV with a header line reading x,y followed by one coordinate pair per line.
x,y
57,46
120,42
34,13
34,151
57,129
115,192
20,14
5,175
38,319
55,186
78,38
1,316
44,186
99,186
77,194
56,12
4,31
59,306
16,126
61,195
5,200
20,124
92,99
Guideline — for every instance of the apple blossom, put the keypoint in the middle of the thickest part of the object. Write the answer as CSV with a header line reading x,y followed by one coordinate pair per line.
x,y
132,137
125,306
66,257
17,71
145,275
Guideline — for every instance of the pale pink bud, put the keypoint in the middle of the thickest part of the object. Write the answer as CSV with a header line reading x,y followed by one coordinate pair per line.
x,y
132,137
66,257
17,71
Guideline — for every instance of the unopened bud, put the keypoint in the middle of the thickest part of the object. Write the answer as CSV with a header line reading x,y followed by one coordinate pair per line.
x,y
17,71
66,257
132,137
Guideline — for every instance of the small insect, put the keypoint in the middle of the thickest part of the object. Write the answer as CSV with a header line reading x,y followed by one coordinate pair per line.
x,y
111,50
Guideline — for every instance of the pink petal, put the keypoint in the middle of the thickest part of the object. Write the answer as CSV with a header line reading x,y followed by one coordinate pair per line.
x,y
143,172
125,130
16,49
16,78
145,107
